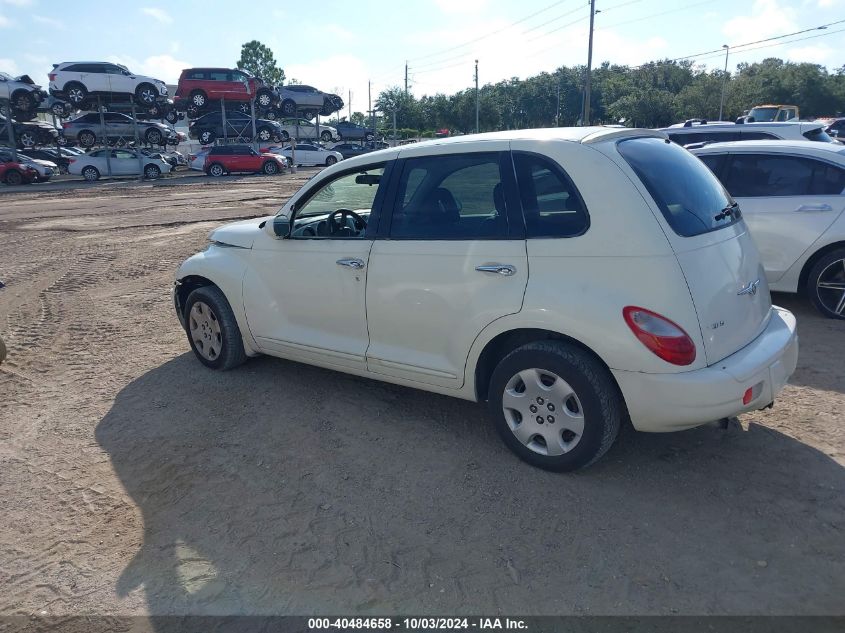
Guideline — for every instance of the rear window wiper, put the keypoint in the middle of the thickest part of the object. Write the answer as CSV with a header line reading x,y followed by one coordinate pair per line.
x,y
730,211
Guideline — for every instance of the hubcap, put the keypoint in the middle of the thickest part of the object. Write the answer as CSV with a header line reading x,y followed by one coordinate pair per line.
x,y
831,287
205,331
27,140
264,135
147,96
199,100
264,100
217,170
543,412
152,172
75,95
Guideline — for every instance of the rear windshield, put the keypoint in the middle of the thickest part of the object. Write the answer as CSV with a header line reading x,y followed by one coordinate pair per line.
x,y
691,198
819,135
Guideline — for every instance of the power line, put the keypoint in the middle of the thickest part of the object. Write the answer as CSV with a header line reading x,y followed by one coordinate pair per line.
x,y
799,39
654,15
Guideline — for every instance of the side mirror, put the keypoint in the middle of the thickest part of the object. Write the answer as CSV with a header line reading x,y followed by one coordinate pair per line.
x,y
278,227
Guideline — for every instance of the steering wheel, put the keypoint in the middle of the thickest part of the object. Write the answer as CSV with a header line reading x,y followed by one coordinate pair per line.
x,y
336,226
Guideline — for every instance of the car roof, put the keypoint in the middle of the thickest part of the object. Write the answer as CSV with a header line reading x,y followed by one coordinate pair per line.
x,y
780,125
773,147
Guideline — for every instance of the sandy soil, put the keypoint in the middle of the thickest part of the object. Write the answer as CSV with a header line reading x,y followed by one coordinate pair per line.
x,y
134,481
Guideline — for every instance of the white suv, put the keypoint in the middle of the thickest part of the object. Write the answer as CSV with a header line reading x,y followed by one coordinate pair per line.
x,y
694,132
572,278
76,82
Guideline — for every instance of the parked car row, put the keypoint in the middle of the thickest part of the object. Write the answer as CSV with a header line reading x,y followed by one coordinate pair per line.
x,y
698,131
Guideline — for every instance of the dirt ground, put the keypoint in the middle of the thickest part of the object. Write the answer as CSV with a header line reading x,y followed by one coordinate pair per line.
x,y
135,481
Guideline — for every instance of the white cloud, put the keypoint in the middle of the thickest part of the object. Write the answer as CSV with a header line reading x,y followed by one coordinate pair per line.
x,y
460,6
819,54
767,18
5,22
19,3
51,22
159,15
323,74
829,4
9,66
164,67
336,31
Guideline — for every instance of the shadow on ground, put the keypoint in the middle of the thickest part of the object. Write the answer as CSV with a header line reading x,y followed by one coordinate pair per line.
x,y
283,488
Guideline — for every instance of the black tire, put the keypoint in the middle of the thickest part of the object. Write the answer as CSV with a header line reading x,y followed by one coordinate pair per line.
x,y
192,111
326,136
271,168
271,115
206,137
87,139
369,136
172,117
216,169
308,114
330,160
830,271
152,172
199,99
597,398
13,177
154,111
59,109
153,136
146,94
288,108
23,101
76,94
264,134
244,108
27,140
285,136
229,339
61,140
90,173
264,98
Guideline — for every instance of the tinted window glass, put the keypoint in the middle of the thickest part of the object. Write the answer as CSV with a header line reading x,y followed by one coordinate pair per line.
x,y
761,175
197,74
818,135
217,75
757,136
551,205
451,197
828,180
688,194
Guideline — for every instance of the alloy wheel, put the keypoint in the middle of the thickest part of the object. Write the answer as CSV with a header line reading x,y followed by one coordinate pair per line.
x,y
543,412
830,287
205,331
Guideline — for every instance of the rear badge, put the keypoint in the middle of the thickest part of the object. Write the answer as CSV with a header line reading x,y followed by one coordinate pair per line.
x,y
717,325
749,289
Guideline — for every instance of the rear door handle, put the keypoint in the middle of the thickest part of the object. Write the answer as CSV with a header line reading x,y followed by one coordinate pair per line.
x,y
505,270
814,207
351,262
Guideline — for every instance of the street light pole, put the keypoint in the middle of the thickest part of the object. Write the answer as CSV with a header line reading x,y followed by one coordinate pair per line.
x,y
476,97
724,81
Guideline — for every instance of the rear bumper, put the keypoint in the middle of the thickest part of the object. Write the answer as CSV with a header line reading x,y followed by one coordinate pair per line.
x,y
672,402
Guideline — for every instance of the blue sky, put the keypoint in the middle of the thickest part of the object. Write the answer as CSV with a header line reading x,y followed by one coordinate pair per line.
x,y
339,45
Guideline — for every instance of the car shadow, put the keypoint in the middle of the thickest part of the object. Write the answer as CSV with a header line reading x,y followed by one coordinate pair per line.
x,y
280,488
819,338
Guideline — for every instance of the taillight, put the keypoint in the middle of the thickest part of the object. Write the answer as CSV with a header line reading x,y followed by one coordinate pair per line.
x,y
71,160
65,125
51,76
663,337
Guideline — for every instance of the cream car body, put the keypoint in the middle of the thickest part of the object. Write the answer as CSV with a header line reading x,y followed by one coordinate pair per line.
x,y
441,314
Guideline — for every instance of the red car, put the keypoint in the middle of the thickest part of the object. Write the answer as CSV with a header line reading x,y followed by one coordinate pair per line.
x,y
225,159
13,173
198,87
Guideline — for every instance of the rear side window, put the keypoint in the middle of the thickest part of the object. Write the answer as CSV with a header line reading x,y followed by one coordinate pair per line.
x,y
551,205
197,74
767,175
691,198
715,162
757,136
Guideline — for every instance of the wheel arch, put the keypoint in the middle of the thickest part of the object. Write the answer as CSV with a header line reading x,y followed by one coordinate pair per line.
x,y
811,261
503,343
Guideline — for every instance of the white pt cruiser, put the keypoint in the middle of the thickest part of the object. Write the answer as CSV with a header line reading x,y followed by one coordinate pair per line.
x,y
571,278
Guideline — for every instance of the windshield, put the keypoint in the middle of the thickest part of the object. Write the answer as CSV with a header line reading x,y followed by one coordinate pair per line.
x,y
691,198
763,115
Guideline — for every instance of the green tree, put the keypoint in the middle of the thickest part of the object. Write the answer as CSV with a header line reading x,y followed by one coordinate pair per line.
x,y
258,59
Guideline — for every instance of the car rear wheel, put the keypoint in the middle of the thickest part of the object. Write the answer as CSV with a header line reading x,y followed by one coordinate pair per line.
x,y
330,160
308,114
264,98
76,94
192,111
826,284
288,108
216,170
90,173
153,136
556,406
213,332
199,99
271,168
326,136
23,101
13,177
285,136
264,134
172,117
59,110
369,136
87,138
146,94
152,172
27,140
207,137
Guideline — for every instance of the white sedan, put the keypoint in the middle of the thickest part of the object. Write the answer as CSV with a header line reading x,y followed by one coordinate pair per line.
x,y
123,162
307,154
792,195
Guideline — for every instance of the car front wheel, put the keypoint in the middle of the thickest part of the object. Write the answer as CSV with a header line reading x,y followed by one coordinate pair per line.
x,y
212,330
216,170
330,160
152,172
556,406
826,284
13,177
91,173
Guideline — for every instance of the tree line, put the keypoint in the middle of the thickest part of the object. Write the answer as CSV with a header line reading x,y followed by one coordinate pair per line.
x,y
655,94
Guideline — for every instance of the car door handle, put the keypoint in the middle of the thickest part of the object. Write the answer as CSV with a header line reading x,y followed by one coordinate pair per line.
x,y
505,270
814,207
351,262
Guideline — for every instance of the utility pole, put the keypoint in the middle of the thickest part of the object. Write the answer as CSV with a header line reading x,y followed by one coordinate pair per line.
x,y
557,112
725,80
350,106
586,119
406,77
476,96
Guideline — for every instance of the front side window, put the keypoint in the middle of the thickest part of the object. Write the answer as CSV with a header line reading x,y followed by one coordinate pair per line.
x,y
341,207
551,205
451,197
689,196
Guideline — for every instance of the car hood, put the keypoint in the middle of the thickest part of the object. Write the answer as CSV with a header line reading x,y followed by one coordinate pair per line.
x,y
241,234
